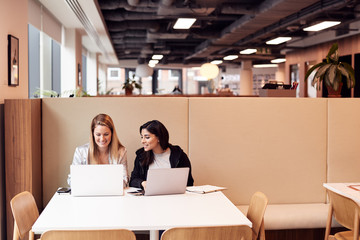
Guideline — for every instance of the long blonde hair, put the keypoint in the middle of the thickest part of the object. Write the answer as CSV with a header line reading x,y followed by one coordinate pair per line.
x,y
114,146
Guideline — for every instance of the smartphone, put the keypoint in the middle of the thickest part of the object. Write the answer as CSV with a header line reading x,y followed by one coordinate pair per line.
x,y
63,190
137,192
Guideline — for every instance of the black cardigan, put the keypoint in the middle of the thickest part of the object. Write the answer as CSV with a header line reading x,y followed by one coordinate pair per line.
x,y
178,159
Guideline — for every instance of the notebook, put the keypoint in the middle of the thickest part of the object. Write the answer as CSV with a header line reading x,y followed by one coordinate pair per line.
x,y
162,181
97,180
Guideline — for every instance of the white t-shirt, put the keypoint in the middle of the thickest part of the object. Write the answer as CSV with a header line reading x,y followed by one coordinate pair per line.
x,y
161,160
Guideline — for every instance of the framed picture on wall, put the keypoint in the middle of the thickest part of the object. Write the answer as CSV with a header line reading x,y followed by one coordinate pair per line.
x,y
13,60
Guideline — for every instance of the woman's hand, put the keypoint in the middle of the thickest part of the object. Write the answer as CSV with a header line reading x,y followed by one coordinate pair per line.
x,y
143,184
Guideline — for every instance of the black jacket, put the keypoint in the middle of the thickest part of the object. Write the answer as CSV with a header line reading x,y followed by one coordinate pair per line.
x,y
178,159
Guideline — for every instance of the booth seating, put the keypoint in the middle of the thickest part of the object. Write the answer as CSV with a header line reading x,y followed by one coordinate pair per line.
x,y
284,147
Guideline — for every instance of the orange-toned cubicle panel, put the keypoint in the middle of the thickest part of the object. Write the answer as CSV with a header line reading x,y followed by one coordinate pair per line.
x,y
344,140
273,145
66,124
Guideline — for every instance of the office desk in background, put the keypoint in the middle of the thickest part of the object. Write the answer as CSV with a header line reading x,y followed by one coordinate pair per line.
x,y
138,213
350,190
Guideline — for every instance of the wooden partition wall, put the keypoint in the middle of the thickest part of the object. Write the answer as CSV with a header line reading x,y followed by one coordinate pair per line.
x,y
244,144
22,152
285,147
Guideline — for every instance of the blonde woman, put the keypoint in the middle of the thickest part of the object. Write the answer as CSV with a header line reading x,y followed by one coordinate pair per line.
x,y
104,146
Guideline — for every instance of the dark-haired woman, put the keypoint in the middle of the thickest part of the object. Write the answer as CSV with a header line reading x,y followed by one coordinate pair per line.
x,y
157,153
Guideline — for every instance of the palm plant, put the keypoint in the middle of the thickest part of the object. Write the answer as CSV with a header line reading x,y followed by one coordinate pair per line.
x,y
332,71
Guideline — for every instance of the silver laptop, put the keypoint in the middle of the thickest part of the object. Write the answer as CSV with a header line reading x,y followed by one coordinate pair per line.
x,y
164,181
97,180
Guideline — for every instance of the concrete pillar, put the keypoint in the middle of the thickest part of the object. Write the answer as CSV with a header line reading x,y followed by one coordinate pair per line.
x,y
246,78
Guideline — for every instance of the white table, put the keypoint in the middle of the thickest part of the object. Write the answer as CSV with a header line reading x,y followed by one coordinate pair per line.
x,y
345,189
65,212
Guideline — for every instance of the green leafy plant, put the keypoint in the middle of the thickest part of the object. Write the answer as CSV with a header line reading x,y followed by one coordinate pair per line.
x,y
45,93
332,71
130,84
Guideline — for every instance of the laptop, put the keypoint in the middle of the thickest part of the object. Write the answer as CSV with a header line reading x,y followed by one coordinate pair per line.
x,y
97,180
163,181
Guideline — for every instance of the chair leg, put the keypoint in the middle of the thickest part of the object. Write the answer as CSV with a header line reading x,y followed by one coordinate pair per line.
x,y
328,223
16,234
31,235
356,225
262,231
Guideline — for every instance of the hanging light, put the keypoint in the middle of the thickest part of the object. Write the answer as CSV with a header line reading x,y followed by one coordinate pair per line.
x,y
209,70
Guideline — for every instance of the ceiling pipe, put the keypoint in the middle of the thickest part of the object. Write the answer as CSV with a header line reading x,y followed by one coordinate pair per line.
x,y
121,15
152,26
167,3
143,3
236,9
129,33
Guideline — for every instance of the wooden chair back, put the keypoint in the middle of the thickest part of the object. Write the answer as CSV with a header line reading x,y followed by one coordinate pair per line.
x,y
255,214
346,212
107,234
204,233
25,213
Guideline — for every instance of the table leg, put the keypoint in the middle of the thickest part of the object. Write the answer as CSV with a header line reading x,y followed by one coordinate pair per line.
x,y
154,234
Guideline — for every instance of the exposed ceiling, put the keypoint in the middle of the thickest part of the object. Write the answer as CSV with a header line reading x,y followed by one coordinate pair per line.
x,y
134,30
141,28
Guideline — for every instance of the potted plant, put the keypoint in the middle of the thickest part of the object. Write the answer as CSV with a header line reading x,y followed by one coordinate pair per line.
x,y
331,72
129,86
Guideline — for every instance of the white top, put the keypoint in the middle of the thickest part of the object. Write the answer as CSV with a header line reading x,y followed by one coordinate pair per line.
x,y
161,160
345,189
138,212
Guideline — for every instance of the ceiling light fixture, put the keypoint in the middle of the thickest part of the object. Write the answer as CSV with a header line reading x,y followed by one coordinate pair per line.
x,y
248,51
278,40
264,65
157,57
321,26
216,62
184,23
278,60
231,57
153,62
209,70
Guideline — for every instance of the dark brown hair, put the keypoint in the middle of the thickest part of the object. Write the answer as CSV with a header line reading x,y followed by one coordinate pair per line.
x,y
159,130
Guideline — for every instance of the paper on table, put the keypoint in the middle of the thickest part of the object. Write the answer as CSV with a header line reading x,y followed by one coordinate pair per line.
x,y
204,189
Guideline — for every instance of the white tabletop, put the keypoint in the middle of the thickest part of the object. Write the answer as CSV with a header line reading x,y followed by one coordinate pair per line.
x,y
345,189
65,212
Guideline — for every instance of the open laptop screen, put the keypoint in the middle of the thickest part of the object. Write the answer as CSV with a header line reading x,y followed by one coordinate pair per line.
x,y
163,181
97,180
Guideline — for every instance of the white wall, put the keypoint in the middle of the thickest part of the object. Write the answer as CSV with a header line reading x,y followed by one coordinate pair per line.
x,y
91,73
68,61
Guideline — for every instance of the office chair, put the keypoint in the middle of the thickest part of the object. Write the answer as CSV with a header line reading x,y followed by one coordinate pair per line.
x,y
25,213
242,232
105,234
346,212
255,214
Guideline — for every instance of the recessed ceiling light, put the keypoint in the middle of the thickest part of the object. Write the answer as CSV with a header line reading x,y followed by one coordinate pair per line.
x,y
217,62
278,60
278,40
157,57
321,26
231,57
184,23
153,62
248,51
264,65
